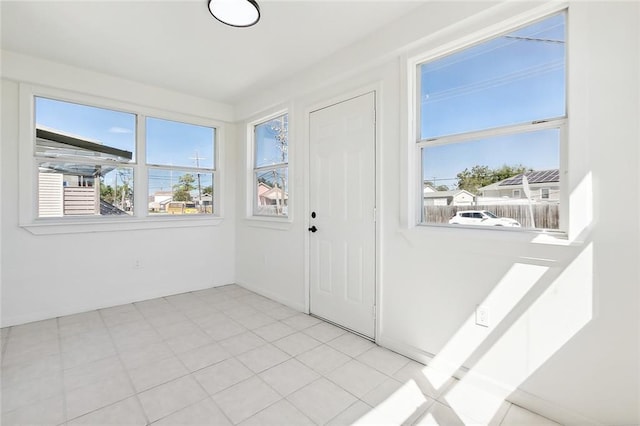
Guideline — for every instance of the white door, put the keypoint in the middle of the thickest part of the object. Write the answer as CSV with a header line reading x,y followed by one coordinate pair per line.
x,y
342,199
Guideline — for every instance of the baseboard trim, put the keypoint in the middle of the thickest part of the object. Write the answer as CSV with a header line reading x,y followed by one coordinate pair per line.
x,y
62,311
275,297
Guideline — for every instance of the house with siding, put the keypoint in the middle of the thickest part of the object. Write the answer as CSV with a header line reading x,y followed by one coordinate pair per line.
x,y
544,186
72,188
458,197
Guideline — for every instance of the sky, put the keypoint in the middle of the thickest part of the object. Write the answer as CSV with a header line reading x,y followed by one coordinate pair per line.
x,y
168,142
513,79
270,151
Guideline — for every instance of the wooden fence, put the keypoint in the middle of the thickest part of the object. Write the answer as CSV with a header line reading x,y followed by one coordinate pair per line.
x,y
546,216
79,200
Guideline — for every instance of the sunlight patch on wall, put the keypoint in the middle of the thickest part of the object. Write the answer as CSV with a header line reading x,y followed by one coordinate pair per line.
x,y
551,321
505,296
581,207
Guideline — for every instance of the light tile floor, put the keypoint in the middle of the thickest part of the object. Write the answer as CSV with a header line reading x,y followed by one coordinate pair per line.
x,y
219,356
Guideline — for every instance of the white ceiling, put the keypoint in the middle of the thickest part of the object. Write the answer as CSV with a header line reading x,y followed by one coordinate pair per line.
x,y
178,45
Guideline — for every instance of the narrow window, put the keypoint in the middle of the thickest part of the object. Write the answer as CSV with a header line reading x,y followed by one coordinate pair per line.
x,y
271,167
491,121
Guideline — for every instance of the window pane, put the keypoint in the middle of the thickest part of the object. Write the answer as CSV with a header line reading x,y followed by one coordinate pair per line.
x,y
180,192
271,139
72,189
515,78
65,129
272,192
487,175
171,143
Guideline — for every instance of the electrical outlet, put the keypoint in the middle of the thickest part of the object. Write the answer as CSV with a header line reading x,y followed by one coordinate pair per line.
x,y
482,316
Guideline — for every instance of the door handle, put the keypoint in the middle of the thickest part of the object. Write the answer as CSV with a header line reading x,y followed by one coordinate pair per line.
x,y
313,228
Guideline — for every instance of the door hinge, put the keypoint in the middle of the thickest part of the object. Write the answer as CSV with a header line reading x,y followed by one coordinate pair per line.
x,y
375,214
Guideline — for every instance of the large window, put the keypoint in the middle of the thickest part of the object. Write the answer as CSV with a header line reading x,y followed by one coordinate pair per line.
x,y
89,162
491,121
271,167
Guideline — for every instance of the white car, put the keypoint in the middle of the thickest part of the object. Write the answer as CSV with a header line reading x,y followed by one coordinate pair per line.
x,y
481,217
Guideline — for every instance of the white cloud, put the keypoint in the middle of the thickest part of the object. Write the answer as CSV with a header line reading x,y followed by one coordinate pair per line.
x,y
119,130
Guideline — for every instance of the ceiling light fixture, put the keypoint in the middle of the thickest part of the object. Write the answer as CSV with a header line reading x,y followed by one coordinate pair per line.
x,y
236,13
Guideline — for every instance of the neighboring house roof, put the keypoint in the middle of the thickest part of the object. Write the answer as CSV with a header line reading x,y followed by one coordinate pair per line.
x,y
534,177
64,141
274,194
263,187
54,143
110,209
427,187
445,194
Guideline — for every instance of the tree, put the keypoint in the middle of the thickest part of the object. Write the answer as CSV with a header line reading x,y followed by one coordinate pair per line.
x,y
106,193
471,180
182,190
479,176
207,190
506,172
436,187
280,129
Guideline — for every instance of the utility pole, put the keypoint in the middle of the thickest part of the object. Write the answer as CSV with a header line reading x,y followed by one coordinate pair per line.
x,y
198,158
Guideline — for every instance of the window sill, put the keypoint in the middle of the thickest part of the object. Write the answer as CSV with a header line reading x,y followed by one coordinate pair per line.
x,y
78,226
270,222
536,236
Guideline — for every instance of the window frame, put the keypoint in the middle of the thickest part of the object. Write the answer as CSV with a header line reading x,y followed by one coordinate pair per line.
x,y
417,144
545,193
252,170
140,219
197,170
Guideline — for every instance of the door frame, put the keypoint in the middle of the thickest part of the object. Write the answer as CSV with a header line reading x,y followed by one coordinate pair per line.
x,y
376,88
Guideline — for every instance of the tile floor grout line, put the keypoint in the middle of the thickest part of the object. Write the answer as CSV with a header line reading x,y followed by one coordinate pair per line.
x,y
64,391
351,405
282,398
307,385
191,374
254,375
126,372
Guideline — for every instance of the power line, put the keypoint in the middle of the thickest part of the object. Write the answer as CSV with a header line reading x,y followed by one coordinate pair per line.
x,y
546,40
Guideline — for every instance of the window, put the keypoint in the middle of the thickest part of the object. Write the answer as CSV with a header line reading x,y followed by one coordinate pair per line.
x,y
490,126
84,159
271,167
181,161
93,161
544,193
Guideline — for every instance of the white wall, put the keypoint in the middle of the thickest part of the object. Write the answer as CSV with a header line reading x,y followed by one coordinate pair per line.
x,y
45,276
565,331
